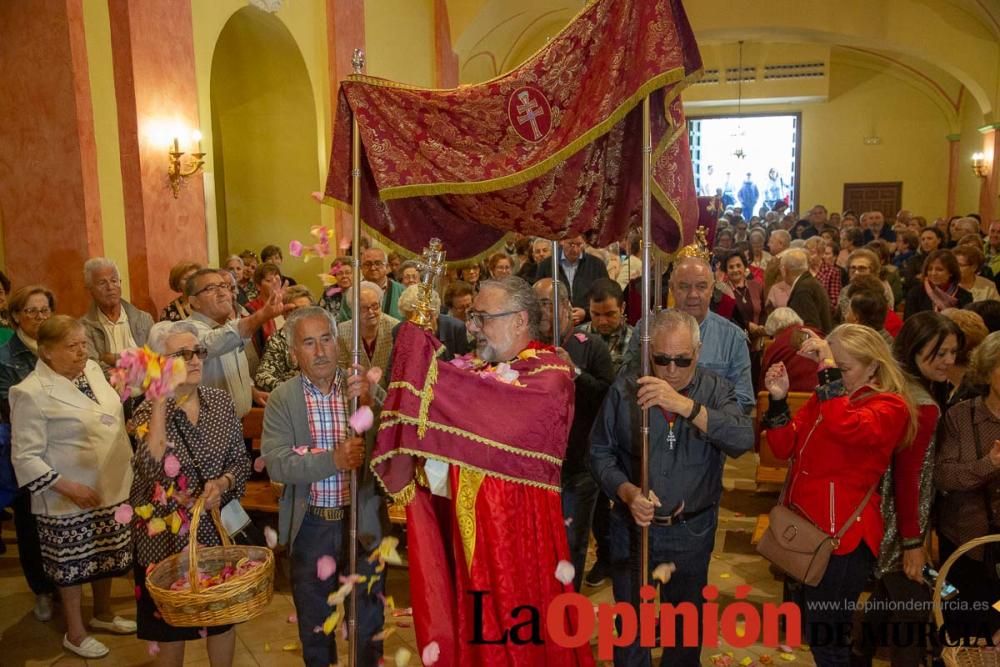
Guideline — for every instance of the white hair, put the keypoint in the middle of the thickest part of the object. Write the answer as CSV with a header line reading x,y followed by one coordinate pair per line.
x,y
671,320
795,260
408,299
161,331
372,287
781,318
95,264
782,234
797,243
297,316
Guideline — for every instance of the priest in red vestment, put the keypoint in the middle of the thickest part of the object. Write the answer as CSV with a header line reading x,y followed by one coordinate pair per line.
x,y
474,448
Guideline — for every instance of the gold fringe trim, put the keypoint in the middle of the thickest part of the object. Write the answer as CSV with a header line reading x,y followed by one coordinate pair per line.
x,y
392,417
402,384
455,462
469,482
405,496
427,397
517,178
547,367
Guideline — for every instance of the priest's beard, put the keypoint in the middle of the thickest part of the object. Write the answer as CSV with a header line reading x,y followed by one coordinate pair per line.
x,y
496,350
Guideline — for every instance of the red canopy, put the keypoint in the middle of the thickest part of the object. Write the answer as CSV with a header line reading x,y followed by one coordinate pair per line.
x,y
550,149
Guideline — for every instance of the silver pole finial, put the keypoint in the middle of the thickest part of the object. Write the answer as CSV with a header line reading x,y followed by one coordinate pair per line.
x,y
358,61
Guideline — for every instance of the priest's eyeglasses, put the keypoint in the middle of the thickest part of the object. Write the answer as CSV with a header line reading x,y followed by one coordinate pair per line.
x,y
188,355
664,360
478,317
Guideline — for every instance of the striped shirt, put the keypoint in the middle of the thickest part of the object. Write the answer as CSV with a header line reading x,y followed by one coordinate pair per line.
x,y
327,414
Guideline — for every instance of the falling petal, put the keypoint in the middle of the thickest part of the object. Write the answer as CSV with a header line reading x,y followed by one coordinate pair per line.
x,y
565,572
785,648
787,657
155,526
362,420
271,537
333,620
325,567
153,648
402,657
318,196
663,572
582,337
431,654
171,466
295,249
259,464
290,646
293,618
371,584
568,521
123,513
725,575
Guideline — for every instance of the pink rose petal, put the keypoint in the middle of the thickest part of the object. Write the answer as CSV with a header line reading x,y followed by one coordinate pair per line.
x,y
565,572
431,654
259,464
325,567
171,466
318,196
123,513
295,249
568,521
153,648
270,537
582,337
362,420
293,618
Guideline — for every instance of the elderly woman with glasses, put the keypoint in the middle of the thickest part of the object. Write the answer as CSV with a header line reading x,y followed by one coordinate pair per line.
x,y
29,307
71,451
190,446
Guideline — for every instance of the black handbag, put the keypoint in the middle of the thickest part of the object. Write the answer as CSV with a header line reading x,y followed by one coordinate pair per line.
x,y
991,551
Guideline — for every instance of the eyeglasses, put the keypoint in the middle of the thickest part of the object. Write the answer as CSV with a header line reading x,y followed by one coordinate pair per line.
x,y
478,317
372,307
212,288
372,265
37,312
188,355
664,360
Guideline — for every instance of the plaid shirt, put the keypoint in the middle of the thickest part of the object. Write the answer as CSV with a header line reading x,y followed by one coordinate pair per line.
x,y
617,341
327,414
829,277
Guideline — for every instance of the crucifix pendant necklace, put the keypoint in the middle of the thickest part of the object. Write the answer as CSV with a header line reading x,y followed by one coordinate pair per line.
x,y
671,438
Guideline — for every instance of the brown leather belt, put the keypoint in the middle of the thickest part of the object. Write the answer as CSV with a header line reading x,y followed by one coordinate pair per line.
x,y
329,513
679,518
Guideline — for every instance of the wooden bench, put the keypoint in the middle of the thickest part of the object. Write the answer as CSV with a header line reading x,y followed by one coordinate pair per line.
x,y
261,495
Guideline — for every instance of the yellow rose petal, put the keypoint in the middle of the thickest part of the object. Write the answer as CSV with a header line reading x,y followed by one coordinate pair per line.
x,y
402,657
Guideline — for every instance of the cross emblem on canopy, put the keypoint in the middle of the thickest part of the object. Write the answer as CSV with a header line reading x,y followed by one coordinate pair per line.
x,y
529,113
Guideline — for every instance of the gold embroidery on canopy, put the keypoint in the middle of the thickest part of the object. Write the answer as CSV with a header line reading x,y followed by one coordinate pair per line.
x,y
426,397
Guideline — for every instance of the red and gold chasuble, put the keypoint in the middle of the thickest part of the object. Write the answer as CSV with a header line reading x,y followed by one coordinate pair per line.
x,y
501,533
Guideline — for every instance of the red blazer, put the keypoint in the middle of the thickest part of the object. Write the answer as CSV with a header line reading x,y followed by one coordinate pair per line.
x,y
841,447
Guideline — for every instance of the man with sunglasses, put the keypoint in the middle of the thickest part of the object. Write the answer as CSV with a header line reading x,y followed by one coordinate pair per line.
x,y
593,372
226,367
696,420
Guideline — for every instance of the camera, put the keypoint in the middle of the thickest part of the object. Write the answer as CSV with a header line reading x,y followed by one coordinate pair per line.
x,y
930,575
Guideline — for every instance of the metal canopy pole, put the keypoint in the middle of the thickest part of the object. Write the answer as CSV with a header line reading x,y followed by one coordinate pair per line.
x,y
555,294
358,62
647,155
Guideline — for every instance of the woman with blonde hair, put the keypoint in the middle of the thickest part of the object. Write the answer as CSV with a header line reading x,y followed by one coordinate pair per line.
x,y
840,444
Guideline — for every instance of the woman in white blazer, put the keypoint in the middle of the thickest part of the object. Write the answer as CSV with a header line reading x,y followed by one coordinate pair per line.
x,y
70,449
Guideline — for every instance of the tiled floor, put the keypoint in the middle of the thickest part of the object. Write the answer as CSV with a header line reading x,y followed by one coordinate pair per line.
x,y
270,640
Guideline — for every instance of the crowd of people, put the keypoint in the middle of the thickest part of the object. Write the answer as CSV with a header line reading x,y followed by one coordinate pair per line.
x,y
891,327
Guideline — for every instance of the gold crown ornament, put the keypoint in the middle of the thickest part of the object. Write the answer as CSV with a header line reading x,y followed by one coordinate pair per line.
x,y
698,249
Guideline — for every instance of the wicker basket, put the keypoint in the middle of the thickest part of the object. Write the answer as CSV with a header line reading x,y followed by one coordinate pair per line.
x,y
981,655
237,599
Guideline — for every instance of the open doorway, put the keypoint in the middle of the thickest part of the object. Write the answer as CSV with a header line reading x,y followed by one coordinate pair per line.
x,y
752,162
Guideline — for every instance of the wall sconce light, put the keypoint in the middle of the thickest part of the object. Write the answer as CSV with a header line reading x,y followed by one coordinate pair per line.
x,y
176,171
979,166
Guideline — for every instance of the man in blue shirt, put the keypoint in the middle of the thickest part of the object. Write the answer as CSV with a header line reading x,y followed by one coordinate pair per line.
x,y
695,422
724,347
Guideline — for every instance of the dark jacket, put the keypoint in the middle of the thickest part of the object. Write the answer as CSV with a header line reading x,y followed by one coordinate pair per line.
x,y
690,472
592,357
917,300
452,332
588,270
16,363
810,301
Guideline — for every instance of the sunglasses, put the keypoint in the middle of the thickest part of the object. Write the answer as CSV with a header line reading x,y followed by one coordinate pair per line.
x,y
188,355
664,360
